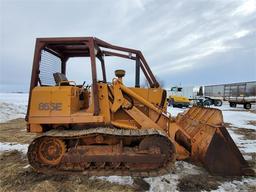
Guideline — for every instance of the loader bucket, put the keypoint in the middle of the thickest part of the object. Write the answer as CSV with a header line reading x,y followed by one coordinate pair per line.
x,y
200,133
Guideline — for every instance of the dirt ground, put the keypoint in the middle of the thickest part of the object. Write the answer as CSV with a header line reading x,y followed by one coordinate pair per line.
x,y
15,131
198,183
249,134
252,123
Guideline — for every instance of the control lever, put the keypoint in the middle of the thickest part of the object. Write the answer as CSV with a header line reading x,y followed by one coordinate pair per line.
x,y
82,87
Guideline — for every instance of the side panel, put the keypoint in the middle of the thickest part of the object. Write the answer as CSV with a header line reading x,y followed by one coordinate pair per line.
x,y
59,105
54,101
104,101
40,97
141,115
153,95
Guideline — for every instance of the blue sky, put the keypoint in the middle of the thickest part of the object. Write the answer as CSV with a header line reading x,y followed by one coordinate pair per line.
x,y
187,42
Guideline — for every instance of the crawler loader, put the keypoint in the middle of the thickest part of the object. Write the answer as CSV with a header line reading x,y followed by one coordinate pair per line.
x,y
108,128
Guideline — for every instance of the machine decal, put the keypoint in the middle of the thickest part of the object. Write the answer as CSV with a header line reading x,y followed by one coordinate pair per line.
x,y
50,106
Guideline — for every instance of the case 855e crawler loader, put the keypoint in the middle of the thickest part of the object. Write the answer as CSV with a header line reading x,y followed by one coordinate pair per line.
x,y
112,129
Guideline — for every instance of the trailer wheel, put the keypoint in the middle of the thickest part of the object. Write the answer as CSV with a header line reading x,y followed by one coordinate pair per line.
x,y
247,105
231,104
207,103
179,106
217,102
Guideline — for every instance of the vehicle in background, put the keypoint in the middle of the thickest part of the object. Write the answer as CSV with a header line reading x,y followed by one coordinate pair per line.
x,y
240,94
202,100
176,99
208,101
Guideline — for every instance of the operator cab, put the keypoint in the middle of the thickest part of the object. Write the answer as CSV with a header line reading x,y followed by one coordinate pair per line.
x,y
55,67
176,91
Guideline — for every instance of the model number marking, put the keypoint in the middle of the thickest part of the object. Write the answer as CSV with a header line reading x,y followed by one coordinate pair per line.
x,y
50,106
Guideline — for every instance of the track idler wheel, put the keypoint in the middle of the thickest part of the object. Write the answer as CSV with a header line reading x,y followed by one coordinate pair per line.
x,y
154,145
51,150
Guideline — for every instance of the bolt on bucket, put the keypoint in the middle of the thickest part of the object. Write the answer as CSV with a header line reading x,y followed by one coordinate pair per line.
x,y
200,135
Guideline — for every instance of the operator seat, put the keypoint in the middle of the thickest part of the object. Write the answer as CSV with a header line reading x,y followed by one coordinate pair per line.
x,y
60,77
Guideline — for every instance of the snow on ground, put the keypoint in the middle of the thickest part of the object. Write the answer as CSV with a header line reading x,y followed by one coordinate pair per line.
x,y
236,186
13,105
245,145
13,146
170,181
166,182
125,180
175,111
240,118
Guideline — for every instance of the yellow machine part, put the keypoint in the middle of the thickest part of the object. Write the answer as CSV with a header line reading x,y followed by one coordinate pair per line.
x,y
179,99
201,136
54,101
61,105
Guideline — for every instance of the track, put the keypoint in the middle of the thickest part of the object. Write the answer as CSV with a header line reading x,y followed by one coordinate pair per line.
x,y
134,160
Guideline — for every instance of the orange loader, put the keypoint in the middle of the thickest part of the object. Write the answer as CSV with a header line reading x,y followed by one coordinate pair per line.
x,y
107,128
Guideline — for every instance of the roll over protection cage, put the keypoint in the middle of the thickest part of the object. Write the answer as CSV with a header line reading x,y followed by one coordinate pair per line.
x,y
67,47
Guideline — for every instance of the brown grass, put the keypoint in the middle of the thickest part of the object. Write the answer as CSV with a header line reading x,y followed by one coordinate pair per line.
x,y
228,125
249,134
15,131
252,123
198,183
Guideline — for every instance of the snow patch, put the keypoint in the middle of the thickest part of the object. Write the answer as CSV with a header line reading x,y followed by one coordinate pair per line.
x,y
122,180
13,146
175,111
170,181
239,118
27,166
166,182
236,186
12,106
245,145
9,111
15,98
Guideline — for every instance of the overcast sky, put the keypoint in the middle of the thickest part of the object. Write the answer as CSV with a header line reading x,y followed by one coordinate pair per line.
x,y
187,42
